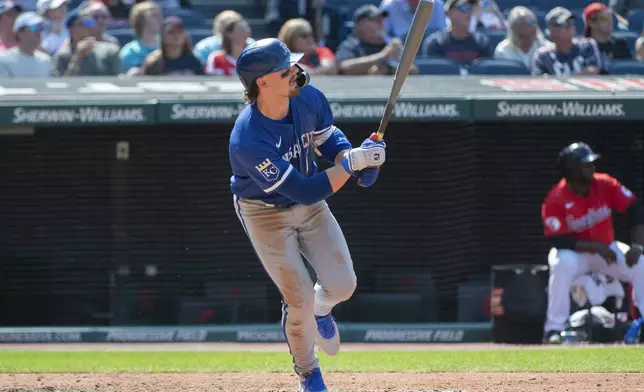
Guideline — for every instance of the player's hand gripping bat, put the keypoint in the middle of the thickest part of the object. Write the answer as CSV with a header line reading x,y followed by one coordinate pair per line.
x,y
412,43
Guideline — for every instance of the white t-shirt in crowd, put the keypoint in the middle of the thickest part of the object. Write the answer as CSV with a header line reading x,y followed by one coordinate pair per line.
x,y
16,64
52,41
507,50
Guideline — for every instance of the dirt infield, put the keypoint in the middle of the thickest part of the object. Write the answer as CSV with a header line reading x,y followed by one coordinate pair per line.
x,y
337,382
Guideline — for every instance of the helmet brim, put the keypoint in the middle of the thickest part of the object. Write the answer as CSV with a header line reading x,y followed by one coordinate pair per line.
x,y
288,62
591,158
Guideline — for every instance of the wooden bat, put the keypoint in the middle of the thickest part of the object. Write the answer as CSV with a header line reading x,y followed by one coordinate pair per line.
x,y
410,49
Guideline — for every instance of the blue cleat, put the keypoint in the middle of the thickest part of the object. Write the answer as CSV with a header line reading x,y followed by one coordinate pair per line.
x,y
328,336
312,382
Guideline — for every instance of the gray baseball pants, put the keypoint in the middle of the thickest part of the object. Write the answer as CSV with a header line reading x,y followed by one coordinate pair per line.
x,y
280,236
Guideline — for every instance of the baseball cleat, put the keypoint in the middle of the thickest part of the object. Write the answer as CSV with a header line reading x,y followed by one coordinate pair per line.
x,y
328,336
312,382
552,337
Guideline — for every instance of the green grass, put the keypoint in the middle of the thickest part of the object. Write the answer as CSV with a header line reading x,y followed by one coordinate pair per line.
x,y
582,360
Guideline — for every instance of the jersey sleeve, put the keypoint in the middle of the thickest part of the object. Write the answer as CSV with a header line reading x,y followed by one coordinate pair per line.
x,y
553,217
619,195
324,122
590,53
265,166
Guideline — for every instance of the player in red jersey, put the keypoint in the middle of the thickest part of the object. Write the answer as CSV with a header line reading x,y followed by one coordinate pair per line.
x,y
577,221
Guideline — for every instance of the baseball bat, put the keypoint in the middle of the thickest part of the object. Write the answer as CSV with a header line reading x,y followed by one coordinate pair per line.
x,y
410,49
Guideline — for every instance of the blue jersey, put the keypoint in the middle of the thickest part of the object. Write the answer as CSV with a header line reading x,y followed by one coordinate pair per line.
x,y
583,53
264,152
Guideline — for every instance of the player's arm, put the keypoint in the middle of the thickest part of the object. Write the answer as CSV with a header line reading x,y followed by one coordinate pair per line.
x,y
559,235
624,201
329,140
272,173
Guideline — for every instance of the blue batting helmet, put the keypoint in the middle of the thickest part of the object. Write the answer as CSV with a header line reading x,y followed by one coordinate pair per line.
x,y
263,57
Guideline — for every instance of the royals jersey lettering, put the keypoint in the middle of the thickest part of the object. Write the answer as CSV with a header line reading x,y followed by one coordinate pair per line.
x,y
586,218
264,152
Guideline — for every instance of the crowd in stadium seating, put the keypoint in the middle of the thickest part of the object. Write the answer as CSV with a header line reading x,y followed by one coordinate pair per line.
x,y
43,38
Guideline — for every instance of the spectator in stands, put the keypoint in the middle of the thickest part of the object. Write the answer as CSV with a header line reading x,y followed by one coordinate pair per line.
x,y
623,7
211,44
55,13
598,25
298,36
366,51
83,54
235,34
25,60
8,14
524,37
459,43
170,4
99,12
175,56
567,56
401,13
639,47
146,20
487,15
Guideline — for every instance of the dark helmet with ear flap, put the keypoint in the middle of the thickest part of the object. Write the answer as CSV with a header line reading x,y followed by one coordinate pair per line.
x,y
574,155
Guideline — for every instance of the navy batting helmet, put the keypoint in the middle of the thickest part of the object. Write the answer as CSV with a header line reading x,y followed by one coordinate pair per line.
x,y
574,155
263,57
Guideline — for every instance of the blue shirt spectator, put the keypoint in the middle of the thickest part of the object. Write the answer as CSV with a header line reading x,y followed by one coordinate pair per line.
x,y
458,44
146,20
401,14
567,56
212,44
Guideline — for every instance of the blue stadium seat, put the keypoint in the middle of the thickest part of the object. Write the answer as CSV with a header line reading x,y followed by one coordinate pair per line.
x,y
630,37
495,37
126,35
497,67
636,21
437,66
190,18
625,67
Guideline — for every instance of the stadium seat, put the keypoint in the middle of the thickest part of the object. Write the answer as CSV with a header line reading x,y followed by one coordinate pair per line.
x,y
126,35
495,36
190,18
636,21
630,37
437,66
626,67
497,67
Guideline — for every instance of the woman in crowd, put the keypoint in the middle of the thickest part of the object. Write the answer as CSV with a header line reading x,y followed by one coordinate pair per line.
x,y
235,33
55,13
208,45
297,34
174,57
523,39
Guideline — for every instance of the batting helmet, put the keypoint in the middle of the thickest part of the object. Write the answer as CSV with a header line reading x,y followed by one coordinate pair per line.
x,y
263,57
574,155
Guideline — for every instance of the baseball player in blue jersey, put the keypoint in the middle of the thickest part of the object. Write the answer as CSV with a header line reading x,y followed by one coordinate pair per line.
x,y
279,196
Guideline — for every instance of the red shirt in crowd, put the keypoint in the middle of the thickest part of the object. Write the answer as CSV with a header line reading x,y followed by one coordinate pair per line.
x,y
219,63
585,218
315,59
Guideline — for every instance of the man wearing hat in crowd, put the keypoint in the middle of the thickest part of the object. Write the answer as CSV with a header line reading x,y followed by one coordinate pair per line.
x,y
366,51
8,14
83,54
568,56
25,60
598,25
55,12
458,43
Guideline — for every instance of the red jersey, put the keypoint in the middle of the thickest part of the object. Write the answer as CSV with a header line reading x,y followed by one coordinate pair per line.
x,y
586,218
219,63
